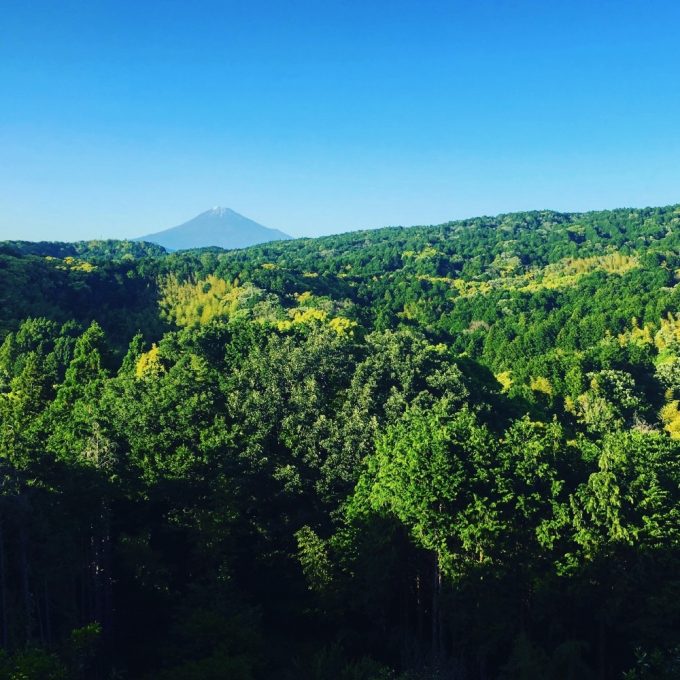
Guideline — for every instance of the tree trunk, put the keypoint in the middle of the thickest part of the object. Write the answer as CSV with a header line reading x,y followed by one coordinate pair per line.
x,y
404,617
420,626
106,573
436,615
3,589
48,623
25,586
602,650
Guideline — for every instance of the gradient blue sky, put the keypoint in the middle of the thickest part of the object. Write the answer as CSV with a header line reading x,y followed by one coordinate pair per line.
x,y
121,118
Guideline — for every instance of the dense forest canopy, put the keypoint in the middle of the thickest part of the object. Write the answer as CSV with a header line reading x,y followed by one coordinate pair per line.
x,y
430,452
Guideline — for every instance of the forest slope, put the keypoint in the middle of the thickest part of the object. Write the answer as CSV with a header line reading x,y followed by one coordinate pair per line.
x,y
447,451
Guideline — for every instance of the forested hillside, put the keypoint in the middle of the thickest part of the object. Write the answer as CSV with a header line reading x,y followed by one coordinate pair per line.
x,y
409,453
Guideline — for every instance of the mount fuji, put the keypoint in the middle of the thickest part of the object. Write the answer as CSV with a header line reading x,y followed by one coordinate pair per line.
x,y
220,227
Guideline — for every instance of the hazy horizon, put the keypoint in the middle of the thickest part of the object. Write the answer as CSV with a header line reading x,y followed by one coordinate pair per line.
x,y
123,119
153,232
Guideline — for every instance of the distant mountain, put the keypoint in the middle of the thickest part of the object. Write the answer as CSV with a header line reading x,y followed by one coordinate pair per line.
x,y
220,227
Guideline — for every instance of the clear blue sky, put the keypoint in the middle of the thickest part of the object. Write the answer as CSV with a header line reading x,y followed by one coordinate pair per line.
x,y
120,118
